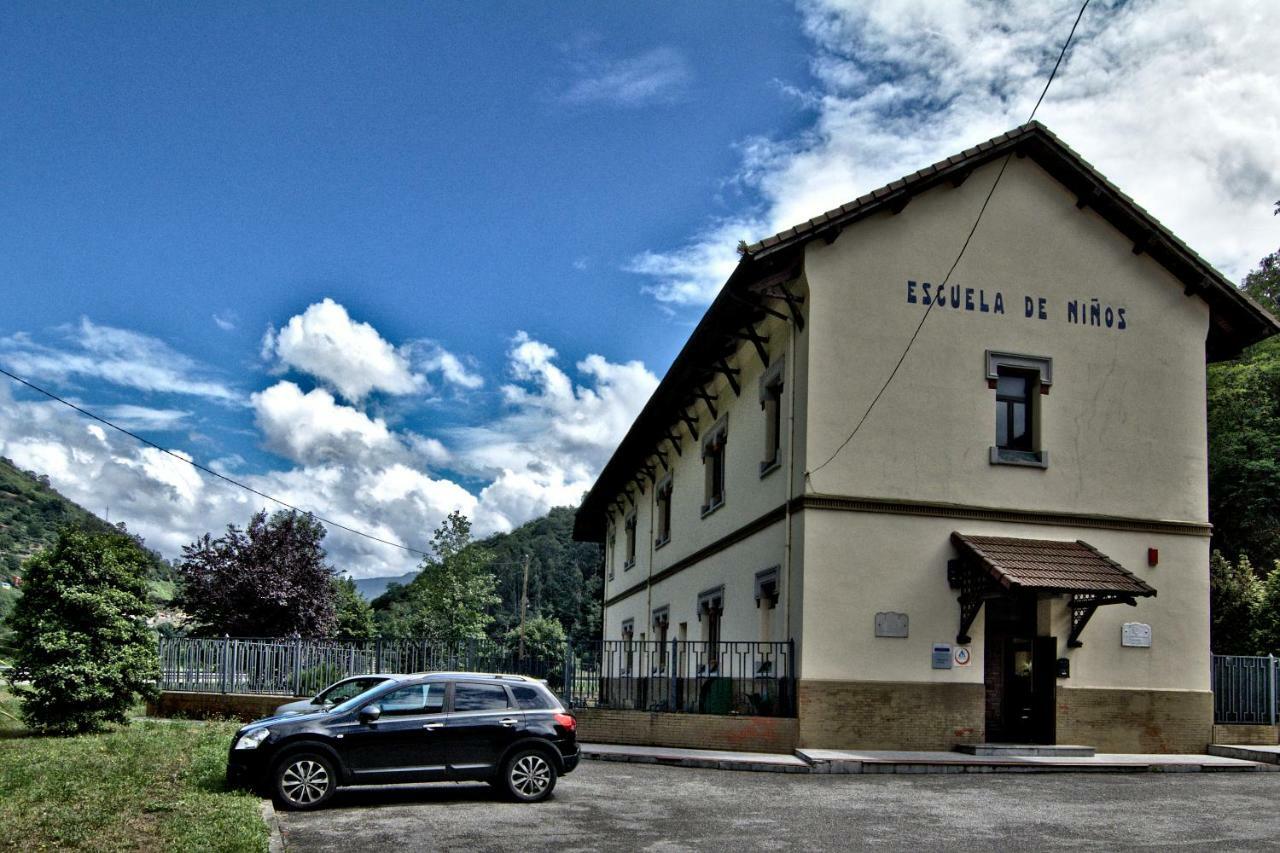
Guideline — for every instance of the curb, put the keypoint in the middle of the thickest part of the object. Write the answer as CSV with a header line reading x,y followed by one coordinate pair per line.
x,y
275,843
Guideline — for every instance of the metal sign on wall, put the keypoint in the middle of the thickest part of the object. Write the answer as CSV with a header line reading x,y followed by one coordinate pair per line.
x,y
1135,635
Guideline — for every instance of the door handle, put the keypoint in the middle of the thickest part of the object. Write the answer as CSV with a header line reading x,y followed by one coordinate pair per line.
x,y
431,727
508,722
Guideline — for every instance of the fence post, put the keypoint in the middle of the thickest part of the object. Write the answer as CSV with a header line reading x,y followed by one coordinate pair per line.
x,y
793,699
297,667
1271,689
377,655
672,697
568,674
226,660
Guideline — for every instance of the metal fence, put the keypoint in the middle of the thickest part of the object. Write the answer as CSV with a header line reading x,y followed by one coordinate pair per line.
x,y
1244,689
747,678
301,667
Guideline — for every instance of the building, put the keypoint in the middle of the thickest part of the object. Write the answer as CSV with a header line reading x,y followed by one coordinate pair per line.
x,y
1014,544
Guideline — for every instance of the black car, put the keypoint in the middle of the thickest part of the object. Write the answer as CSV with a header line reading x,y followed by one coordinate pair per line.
x,y
507,730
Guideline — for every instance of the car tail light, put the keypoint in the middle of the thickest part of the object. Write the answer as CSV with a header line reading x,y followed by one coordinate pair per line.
x,y
567,720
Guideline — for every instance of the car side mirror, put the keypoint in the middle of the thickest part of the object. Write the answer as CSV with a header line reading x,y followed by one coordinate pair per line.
x,y
370,713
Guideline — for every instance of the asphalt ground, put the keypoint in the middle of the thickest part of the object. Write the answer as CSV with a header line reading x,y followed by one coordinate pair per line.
x,y
615,806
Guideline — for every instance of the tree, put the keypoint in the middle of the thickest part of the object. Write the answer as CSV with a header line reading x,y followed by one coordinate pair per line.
x,y
354,615
269,580
543,639
450,598
82,651
1235,602
1268,620
1263,284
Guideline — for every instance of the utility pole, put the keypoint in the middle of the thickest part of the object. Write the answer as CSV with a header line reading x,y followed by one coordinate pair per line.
x,y
524,602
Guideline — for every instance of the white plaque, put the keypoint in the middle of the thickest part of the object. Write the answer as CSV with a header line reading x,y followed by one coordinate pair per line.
x,y
1135,635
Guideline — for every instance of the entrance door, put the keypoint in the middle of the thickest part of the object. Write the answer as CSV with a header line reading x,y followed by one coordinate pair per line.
x,y
1019,674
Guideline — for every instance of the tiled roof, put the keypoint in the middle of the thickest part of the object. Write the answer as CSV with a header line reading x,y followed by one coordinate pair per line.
x,y
1050,565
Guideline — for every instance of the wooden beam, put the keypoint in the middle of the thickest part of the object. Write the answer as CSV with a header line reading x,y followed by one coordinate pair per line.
x,y
959,178
1144,240
793,305
690,421
709,399
752,335
1087,198
673,436
900,204
731,374
831,234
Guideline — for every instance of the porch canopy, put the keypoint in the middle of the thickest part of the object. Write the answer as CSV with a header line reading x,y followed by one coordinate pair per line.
x,y
994,566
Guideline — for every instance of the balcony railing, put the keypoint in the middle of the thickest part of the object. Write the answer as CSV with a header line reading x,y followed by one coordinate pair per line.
x,y
748,678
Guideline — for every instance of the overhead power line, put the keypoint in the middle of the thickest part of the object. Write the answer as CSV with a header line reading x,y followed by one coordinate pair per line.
x,y
866,414
210,471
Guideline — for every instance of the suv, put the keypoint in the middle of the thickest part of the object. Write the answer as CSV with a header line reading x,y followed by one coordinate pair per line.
x,y
507,730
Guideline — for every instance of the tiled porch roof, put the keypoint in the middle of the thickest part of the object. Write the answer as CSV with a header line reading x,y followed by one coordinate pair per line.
x,y
1050,565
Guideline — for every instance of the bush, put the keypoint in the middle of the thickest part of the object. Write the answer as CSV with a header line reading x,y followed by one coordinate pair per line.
x,y
80,634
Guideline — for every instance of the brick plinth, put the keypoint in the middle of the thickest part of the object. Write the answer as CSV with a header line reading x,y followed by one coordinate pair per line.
x,y
691,731
201,706
1135,720
890,714
1247,735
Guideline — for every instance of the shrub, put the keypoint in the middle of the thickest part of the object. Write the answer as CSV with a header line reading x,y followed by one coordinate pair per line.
x,y
82,652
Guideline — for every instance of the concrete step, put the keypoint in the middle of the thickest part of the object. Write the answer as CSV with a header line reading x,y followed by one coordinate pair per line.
x,y
1024,749
1247,752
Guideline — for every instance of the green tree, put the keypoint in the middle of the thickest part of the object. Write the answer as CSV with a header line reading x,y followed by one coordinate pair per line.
x,y
450,598
83,654
1235,604
543,639
354,614
1268,620
1263,284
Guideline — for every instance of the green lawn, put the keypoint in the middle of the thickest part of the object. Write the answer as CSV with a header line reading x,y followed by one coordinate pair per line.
x,y
147,786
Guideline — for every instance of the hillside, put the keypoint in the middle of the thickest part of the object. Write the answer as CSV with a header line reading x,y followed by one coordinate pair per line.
x,y
32,511
565,577
371,588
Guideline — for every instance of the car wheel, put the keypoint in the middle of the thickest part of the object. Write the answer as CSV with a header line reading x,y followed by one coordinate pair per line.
x,y
304,780
529,776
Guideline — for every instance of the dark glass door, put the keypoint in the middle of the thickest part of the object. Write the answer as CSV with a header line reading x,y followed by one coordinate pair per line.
x,y
1019,671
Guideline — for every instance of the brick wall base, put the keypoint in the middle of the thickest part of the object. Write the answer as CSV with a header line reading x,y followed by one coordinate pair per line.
x,y
1247,735
690,731
1135,720
890,714
203,706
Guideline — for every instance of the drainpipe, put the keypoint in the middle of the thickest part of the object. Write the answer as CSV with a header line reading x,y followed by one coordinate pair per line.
x,y
790,472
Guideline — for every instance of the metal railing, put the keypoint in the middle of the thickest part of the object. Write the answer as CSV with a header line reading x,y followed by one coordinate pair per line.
x,y
748,678
1244,689
300,667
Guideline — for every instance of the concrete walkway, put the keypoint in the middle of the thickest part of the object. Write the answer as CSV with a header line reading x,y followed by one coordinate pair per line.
x,y
834,761
1267,754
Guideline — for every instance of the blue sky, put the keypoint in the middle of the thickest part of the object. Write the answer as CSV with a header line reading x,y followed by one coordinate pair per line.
x,y
418,257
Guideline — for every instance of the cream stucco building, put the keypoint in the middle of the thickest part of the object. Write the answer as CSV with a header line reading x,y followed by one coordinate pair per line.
x,y
1013,544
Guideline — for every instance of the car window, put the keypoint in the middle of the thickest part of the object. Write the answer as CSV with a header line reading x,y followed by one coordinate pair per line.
x,y
530,698
344,691
469,696
414,699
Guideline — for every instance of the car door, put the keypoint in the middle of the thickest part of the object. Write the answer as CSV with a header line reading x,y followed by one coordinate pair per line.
x,y
482,722
406,743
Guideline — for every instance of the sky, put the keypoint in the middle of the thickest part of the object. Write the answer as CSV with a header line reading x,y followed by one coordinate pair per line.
x,y
393,261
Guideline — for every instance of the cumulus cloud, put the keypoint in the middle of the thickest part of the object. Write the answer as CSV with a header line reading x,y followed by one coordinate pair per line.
x,y
313,427
1176,103
430,357
656,76
121,357
225,320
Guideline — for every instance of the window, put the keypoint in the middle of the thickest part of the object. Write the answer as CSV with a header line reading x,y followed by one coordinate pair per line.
x,y
710,611
611,549
479,697
662,513
628,653
1019,381
346,690
661,622
530,698
414,699
766,602
771,403
630,526
713,444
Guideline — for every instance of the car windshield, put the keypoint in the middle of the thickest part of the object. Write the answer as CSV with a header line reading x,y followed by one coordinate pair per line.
x,y
358,700
344,690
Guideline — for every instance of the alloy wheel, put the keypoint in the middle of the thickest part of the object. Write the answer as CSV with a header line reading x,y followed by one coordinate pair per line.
x,y
304,782
530,775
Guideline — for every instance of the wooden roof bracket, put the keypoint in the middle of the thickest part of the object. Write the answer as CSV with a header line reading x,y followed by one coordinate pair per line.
x,y
1088,197
709,399
690,421
752,335
1083,605
959,178
900,203
731,374
793,305
1195,288
674,438
1145,239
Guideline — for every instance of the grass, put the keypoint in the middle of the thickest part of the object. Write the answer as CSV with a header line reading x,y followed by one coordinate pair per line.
x,y
149,786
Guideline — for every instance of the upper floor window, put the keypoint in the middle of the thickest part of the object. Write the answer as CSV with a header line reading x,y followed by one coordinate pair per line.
x,y
1019,381
630,526
771,403
713,445
611,549
662,513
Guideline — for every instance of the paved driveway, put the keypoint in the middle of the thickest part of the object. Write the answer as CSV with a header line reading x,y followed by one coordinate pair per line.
x,y
649,807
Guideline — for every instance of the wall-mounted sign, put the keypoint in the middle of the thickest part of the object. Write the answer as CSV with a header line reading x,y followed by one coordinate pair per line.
x,y
942,656
1086,311
891,624
962,656
1136,635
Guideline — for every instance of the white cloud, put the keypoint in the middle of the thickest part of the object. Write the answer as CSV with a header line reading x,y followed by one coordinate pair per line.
x,y
225,320
124,358
348,356
314,428
145,418
430,357
659,75
1177,103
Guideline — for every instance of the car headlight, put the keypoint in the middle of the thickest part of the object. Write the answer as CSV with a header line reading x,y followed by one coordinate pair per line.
x,y
252,739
